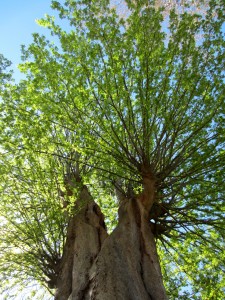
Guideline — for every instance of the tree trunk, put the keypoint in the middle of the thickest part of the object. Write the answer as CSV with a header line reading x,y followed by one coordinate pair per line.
x,y
123,265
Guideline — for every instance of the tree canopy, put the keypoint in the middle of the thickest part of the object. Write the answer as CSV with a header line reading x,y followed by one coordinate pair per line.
x,y
112,99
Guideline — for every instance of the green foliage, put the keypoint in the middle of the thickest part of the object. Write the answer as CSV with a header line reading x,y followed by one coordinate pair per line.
x,y
194,270
4,74
32,223
112,98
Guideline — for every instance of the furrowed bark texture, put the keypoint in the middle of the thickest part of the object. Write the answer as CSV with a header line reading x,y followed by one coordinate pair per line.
x,y
121,266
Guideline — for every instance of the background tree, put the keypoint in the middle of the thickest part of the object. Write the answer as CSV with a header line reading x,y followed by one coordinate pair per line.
x,y
120,113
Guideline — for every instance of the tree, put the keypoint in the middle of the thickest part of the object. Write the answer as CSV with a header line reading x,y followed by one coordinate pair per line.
x,y
119,114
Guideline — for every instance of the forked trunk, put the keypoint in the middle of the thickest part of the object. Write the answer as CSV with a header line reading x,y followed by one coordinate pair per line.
x,y
120,266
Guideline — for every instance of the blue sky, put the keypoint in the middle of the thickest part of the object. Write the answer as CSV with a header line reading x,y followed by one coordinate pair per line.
x,y
17,23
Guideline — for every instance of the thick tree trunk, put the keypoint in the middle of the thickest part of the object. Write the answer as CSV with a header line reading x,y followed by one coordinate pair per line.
x,y
123,265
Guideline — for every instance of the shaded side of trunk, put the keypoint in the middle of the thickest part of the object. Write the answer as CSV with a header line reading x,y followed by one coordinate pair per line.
x,y
123,265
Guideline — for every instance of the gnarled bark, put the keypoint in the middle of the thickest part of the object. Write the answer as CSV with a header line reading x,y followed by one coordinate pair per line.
x,y
123,265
